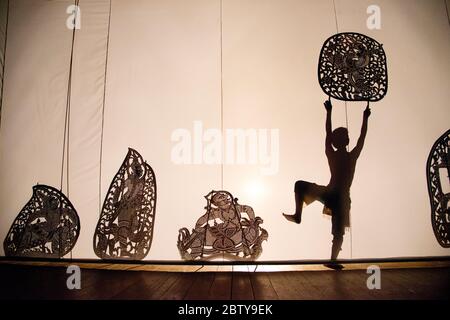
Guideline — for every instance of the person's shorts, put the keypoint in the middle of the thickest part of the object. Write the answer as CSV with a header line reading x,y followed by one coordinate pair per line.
x,y
337,202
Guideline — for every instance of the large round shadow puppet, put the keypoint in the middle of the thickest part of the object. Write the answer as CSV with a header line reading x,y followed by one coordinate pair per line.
x,y
352,67
223,232
125,227
438,173
47,227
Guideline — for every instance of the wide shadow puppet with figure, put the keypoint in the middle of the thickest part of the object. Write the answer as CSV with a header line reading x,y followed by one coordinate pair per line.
x,y
336,195
48,226
226,230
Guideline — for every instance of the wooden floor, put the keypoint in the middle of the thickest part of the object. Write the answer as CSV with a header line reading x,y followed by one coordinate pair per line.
x,y
31,282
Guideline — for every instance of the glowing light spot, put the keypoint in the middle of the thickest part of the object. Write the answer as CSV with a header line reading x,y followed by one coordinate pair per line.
x,y
255,189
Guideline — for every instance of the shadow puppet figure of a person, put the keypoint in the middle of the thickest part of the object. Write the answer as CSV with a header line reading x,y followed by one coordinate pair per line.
x,y
336,195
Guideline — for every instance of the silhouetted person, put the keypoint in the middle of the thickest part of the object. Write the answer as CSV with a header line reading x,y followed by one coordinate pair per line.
x,y
336,195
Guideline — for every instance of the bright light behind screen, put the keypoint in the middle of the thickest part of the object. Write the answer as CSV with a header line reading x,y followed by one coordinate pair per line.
x,y
254,190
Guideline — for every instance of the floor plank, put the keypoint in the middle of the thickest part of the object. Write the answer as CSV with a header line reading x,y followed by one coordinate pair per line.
x,y
353,283
415,283
105,284
171,279
221,287
181,286
146,287
242,286
262,287
284,288
201,286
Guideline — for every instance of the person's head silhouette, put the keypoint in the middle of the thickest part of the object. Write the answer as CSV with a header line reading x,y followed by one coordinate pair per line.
x,y
339,138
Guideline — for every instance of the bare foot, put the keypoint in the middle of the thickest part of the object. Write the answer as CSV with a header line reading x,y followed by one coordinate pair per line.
x,y
334,266
293,218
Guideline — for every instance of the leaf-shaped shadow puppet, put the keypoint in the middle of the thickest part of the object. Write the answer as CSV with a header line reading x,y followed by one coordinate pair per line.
x,y
438,173
352,67
222,232
48,226
125,227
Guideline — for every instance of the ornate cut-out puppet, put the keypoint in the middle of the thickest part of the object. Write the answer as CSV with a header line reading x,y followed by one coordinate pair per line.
x,y
48,226
352,67
438,178
223,232
125,228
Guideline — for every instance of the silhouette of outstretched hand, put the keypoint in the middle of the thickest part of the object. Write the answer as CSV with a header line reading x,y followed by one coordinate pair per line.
x,y
367,111
328,105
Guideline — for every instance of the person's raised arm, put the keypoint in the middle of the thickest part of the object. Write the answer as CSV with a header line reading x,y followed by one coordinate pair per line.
x,y
360,144
328,107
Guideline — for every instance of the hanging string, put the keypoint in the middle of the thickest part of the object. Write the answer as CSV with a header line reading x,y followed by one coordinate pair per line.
x,y
221,93
4,61
67,113
335,17
346,125
66,137
221,101
103,115
446,10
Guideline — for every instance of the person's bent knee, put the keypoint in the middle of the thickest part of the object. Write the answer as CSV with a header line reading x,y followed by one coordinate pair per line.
x,y
338,238
300,186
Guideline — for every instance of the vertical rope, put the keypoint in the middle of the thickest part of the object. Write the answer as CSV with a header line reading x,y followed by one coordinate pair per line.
x,y
4,61
446,10
66,136
221,100
67,112
346,125
103,115
335,17
221,93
